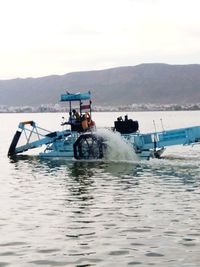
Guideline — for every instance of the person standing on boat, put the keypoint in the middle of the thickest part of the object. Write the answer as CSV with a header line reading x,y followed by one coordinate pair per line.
x,y
76,115
74,118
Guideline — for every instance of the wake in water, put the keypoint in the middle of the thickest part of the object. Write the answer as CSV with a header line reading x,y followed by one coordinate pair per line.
x,y
118,149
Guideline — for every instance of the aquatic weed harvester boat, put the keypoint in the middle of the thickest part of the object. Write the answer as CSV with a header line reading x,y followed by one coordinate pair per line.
x,y
82,140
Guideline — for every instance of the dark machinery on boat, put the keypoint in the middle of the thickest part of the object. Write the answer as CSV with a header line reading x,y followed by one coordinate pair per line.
x,y
126,126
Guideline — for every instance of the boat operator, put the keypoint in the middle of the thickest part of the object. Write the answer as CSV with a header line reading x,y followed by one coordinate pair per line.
x,y
74,118
76,115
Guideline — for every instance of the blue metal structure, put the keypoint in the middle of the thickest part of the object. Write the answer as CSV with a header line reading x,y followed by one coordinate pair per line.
x,y
153,144
86,144
75,97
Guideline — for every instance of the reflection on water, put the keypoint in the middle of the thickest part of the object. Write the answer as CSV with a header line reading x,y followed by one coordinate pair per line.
x,y
68,213
167,169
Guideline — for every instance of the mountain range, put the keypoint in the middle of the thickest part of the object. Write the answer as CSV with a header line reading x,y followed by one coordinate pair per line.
x,y
154,83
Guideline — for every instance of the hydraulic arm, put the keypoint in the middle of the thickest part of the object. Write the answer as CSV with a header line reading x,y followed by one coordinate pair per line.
x,y
34,137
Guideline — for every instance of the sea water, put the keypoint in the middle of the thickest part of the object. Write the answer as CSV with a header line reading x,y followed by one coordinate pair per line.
x,y
125,213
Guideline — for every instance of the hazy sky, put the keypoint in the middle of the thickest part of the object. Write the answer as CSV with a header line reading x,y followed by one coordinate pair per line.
x,y
44,37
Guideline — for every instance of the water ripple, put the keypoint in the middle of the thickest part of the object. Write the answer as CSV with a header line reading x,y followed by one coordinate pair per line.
x,y
59,213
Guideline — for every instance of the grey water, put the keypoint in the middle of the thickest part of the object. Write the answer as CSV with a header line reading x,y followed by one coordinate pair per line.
x,y
67,213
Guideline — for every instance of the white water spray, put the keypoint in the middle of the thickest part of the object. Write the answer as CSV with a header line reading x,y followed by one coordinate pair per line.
x,y
118,149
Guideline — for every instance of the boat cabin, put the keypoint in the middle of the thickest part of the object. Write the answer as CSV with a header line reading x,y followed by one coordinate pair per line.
x,y
80,118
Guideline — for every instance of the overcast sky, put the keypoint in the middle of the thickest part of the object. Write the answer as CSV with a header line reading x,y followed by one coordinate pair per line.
x,y
44,37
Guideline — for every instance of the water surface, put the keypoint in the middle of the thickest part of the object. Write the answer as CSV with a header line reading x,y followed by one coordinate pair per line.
x,y
104,213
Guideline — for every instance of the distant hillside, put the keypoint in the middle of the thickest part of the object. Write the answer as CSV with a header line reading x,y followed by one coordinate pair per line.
x,y
145,83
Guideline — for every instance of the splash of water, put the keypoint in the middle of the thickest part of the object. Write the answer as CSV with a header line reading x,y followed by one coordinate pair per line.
x,y
118,149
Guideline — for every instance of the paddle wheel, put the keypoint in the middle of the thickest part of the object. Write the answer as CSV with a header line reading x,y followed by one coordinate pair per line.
x,y
89,146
